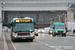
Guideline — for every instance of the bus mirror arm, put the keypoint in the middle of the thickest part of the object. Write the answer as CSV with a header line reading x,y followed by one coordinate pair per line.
x,y
11,24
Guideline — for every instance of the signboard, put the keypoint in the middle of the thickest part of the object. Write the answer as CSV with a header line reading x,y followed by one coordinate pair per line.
x,y
19,21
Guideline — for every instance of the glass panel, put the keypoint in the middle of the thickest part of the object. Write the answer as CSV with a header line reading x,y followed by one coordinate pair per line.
x,y
59,26
23,27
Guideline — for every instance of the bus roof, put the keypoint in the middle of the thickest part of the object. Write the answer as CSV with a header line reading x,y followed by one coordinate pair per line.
x,y
26,19
22,18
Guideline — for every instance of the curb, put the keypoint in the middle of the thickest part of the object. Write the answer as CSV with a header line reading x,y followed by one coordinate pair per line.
x,y
5,43
70,34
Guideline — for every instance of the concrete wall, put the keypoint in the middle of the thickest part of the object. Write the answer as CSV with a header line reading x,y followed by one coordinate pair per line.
x,y
40,0
34,6
40,17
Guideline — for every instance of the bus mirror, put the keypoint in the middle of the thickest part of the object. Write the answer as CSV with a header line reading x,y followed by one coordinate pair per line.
x,y
11,24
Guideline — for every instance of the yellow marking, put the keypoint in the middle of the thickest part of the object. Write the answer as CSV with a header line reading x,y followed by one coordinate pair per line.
x,y
24,20
17,20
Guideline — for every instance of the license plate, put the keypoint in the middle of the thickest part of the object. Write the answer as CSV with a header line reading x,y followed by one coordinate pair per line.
x,y
23,38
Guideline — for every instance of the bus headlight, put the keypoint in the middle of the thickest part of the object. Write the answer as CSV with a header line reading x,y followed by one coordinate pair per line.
x,y
32,34
14,34
56,31
63,31
50,31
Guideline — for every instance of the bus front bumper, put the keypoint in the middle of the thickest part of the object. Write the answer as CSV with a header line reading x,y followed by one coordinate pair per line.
x,y
23,37
60,33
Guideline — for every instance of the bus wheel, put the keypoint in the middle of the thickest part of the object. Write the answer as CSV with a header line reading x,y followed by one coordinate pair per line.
x,y
64,35
31,40
13,40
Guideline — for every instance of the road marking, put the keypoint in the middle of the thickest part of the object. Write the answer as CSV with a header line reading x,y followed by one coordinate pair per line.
x,y
47,45
5,43
12,44
57,49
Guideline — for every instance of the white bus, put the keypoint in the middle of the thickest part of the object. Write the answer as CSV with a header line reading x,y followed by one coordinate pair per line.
x,y
22,28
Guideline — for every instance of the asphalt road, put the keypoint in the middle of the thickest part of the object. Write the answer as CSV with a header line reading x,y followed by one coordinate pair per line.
x,y
44,42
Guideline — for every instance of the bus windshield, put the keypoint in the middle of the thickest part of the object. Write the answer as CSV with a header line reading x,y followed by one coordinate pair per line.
x,y
59,26
23,27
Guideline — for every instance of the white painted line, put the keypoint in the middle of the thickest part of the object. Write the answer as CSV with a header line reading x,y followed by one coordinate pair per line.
x,y
13,44
41,42
47,45
57,49
5,43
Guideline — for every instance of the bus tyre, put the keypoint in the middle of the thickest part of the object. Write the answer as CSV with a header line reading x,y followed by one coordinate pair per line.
x,y
13,40
54,35
31,40
64,35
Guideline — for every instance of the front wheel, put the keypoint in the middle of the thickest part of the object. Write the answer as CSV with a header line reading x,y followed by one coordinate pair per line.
x,y
13,40
31,40
64,35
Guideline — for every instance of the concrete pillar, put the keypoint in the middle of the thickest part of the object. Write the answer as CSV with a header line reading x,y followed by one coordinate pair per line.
x,y
70,16
0,20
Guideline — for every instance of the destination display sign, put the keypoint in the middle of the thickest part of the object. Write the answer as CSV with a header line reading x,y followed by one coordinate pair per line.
x,y
18,21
